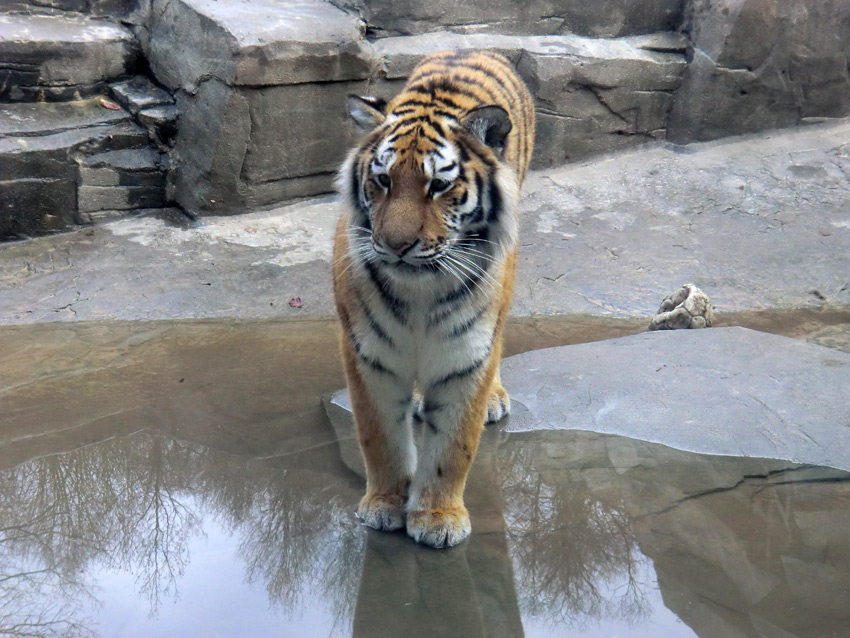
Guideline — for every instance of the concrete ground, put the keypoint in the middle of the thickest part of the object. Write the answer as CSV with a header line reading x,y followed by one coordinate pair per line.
x,y
760,223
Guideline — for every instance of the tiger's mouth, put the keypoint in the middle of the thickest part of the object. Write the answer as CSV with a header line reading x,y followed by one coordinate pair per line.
x,y
410,262
431,266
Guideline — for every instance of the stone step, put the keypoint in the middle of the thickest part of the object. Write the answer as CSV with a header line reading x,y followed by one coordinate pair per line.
x,y
153,107
532,17
114,182
50,153
115,9
61,57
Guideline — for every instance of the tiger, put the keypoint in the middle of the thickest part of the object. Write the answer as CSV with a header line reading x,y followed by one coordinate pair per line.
x,y
423,271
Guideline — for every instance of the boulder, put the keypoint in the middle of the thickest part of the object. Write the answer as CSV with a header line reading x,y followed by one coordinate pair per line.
x,y
600,95
245,147
277,42
760,64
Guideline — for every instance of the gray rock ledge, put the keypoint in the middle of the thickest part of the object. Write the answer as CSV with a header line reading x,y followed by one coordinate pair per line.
x,y
723,391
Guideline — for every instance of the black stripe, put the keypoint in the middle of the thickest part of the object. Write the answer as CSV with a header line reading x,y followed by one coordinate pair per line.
x,y
397,133
396,306
437,127
411,120
374,325
373,363
465,151
449,87
414,126
471,80
466,288
464,197
451,103
432,427
431,406
446,169
442,113
435,319
412,101
430,89
356,190
499,81
427,75
465,327
476,215
434,140
461,374
496,203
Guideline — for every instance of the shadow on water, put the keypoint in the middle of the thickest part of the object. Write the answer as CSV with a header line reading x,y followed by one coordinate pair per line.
x,y
171,477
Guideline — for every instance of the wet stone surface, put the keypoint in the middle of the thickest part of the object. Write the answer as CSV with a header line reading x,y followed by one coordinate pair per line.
x,y
156,478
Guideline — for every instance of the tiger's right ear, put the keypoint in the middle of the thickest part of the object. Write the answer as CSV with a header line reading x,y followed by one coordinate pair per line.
x,y
367,112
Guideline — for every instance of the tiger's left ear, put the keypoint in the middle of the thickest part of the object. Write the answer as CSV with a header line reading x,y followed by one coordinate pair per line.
x,y
367,112
490,124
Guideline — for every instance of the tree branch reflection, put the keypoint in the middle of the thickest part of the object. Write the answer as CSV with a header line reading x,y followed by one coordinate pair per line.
x,y
574,550
565,526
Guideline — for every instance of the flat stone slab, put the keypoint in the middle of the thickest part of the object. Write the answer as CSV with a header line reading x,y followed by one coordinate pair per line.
x,y
53,56
43,118
276,42
140,93
721,391
399,55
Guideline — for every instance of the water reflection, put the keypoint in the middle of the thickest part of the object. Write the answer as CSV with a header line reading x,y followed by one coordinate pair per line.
x,y
133,504
567,526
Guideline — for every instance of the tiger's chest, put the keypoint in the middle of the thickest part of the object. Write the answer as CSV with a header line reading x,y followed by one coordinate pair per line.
x,y
420,339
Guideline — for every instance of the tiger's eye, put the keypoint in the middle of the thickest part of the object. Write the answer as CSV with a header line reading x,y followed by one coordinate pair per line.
x,y
439,185
383,180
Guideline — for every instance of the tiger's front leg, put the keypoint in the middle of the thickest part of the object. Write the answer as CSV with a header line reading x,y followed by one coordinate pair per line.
x,y
453,414
383,413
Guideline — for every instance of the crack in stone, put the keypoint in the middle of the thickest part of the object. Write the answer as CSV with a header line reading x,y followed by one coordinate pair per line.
x,y
753,477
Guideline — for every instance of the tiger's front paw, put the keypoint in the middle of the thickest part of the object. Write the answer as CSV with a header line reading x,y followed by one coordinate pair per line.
x,y
498,405
439,527
385,513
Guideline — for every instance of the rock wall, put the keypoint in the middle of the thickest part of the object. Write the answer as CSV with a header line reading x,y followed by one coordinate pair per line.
x,y
761,64
84,136
261,93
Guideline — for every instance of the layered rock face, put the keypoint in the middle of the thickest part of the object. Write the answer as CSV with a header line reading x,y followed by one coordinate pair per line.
x,y
260,91
760,64
83,136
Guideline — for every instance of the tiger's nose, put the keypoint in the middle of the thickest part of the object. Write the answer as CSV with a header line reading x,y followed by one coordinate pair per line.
x,y
398,247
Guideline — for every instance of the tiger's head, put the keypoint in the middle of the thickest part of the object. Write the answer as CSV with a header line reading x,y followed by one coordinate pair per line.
x,y
428,188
